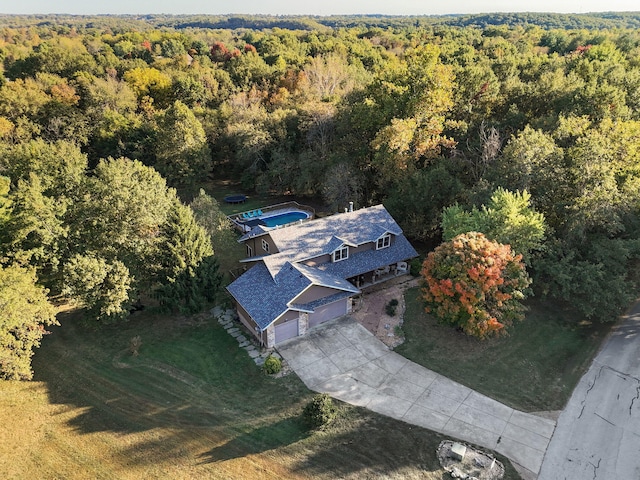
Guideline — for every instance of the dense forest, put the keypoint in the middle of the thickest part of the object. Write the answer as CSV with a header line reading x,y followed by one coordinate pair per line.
x,y
109,126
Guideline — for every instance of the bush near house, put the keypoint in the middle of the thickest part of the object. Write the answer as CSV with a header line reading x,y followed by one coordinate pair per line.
x,y
272,365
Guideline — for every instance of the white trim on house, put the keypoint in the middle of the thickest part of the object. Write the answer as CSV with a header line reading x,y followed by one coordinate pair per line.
x,y
340,253
384,241
265,245
315,283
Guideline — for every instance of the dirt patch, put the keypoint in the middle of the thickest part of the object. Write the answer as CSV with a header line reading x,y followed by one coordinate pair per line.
x,y
370,309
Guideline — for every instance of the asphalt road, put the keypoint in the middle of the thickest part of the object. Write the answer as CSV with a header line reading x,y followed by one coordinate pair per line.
x,y
598,433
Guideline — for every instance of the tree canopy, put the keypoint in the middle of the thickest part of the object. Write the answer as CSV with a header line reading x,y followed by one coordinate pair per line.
x,y
525,127
507,219
475,284
24,313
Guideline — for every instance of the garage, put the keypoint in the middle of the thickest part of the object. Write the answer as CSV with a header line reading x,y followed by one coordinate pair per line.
x,y
286,330
328,312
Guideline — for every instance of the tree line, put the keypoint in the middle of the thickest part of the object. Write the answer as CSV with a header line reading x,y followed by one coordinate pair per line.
x,y
108,130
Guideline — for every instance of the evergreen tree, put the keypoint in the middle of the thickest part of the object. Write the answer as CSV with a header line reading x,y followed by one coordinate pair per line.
x,y
191,277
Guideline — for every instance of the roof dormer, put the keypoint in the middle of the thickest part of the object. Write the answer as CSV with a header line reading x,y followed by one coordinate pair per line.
x,y
383,241
340,253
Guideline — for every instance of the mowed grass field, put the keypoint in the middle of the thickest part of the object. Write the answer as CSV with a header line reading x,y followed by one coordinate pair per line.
x,y
535,368
192,405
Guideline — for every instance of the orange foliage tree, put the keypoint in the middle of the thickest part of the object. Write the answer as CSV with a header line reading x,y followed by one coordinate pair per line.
x,y
475,284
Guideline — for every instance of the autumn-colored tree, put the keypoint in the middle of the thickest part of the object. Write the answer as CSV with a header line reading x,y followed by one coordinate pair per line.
x,y
219,52
149,82
475,284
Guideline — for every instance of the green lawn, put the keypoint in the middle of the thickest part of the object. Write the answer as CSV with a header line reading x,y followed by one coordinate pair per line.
x,y
191,405
221,188
535,368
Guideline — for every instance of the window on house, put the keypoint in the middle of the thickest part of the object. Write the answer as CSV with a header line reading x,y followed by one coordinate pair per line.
x,y
341,254
384,241
265,245
249,251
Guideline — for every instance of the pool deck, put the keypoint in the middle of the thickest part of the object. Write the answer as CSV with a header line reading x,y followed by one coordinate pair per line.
x,y
245,224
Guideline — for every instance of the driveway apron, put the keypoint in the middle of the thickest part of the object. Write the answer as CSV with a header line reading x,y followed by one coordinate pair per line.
x,y
343,359
598,432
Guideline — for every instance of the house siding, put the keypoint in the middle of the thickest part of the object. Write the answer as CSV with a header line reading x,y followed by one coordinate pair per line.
x,y
318,260
272,246
247,321
256,245
314,292
352,250
361,248
288,316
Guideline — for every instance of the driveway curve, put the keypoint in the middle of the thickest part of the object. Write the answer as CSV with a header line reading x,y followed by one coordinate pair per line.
x,y
343,359
598,432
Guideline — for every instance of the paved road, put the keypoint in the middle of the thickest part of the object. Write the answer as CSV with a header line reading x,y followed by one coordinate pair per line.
x,y
598,433
345,360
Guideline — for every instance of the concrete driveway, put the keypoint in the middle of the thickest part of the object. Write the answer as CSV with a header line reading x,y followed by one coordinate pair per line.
x,y
346,361
598,433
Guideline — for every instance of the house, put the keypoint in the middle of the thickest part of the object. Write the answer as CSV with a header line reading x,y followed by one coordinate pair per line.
x,y
306,273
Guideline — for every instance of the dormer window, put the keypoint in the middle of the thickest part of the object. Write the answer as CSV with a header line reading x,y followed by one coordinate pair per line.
x,y
249,251
265,245
384,241
341,253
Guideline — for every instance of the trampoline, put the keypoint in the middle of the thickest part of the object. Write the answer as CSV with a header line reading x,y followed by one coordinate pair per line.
x,y
236,198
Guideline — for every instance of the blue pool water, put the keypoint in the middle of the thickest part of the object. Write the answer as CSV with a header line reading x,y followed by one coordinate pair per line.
x,y
284,218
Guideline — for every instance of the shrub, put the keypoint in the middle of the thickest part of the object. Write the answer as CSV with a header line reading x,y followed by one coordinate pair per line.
x,y
398,331
415,266
390,308
320,411
272,365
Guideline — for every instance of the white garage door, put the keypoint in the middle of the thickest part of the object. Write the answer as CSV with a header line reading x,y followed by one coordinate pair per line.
x,y
328,312
286,330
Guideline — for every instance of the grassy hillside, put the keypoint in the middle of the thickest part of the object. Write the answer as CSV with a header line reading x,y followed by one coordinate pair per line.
x,y
191,405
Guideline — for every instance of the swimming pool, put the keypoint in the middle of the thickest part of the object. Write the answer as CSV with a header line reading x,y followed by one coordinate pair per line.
x,y
284,218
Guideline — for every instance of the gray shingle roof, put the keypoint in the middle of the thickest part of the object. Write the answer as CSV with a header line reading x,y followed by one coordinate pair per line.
x,y
267,289
255,231
323,235
363,262
319,277
264,298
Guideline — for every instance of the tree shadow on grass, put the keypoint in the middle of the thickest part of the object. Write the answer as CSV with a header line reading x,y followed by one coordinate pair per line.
x,y
364,444
368,445
190,390
257,440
